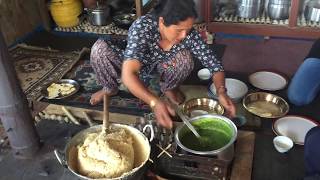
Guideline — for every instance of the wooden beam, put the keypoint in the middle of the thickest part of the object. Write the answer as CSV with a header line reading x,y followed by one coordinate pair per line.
x,y
53,109
294,13
44,14
138,8
14,112
207,8
264,30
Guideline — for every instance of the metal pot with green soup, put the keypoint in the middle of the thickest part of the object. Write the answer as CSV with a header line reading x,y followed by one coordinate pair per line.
x,y
218,134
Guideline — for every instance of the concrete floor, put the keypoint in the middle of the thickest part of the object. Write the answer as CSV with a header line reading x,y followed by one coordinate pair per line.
x,y
242,57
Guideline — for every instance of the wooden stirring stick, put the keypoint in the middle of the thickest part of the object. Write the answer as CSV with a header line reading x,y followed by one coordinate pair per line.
x,y
105,124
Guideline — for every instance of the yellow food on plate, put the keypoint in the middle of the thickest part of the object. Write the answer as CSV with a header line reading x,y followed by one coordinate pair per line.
x,y
105,155
60,89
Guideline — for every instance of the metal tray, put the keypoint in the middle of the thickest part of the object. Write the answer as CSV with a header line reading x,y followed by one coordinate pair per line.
x,y
266,105
44,91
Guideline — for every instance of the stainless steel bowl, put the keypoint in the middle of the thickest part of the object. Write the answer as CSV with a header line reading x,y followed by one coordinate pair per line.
x,y
265,105
201,106
312,13
278,11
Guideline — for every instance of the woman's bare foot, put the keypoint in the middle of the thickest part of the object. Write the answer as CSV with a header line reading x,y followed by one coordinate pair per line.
x,y
175,96
97,97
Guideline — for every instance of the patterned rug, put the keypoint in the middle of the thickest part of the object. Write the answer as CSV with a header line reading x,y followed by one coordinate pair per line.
x,y
37,67
123,102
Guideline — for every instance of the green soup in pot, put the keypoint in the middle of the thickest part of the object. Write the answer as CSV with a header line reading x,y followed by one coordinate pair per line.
x,y
215,134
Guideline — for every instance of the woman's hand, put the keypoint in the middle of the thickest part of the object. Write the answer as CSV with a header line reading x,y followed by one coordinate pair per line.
x,y
227,103
162,111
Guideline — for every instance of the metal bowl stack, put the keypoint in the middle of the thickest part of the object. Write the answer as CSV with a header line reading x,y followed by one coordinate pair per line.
x,y
279,9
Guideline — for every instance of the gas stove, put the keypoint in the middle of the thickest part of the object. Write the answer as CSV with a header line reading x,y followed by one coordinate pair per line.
x,y
172,161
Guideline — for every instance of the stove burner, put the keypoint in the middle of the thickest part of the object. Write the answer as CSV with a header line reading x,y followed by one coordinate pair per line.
x,y
190,166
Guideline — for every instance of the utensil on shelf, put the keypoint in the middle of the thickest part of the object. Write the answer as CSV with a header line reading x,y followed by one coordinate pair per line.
x,y
98,16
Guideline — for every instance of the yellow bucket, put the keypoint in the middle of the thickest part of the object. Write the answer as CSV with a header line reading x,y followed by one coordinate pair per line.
x,y
65,12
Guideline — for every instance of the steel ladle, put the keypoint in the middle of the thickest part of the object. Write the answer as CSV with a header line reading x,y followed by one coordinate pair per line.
x,y
186,121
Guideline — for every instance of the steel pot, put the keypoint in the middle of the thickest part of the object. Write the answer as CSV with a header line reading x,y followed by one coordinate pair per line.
x,y
141,145
280,1
312,13
249,8
278,11
224,153
250,2
98,16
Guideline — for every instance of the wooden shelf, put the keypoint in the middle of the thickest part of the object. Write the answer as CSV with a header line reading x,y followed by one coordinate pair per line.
x,y
291,30
264,30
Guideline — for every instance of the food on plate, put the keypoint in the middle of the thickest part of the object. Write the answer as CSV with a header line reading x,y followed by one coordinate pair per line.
x,y
60,89
106,155
264,109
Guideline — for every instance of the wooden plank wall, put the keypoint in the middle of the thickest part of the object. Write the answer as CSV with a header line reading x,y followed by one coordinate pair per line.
x,y
17,18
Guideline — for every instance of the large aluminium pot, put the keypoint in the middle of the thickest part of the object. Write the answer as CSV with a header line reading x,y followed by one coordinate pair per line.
x,y
217,123
141,147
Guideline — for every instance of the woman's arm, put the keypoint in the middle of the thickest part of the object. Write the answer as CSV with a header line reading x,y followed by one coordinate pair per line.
x,y
208,59
130,70
221,91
